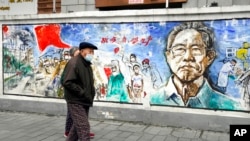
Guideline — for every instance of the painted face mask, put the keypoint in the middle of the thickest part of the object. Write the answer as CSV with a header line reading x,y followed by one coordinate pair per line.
x,y
89,57
67,57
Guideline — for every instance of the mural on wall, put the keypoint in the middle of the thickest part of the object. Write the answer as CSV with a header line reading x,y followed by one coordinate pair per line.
x,y
190,64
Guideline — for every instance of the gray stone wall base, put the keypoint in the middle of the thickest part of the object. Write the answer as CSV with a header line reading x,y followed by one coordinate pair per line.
x,y
32,106
161,116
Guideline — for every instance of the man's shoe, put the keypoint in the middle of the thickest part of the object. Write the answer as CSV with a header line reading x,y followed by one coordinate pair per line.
x,y
92,135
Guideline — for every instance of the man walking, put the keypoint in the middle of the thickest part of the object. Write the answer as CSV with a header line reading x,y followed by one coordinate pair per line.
x,y
78,83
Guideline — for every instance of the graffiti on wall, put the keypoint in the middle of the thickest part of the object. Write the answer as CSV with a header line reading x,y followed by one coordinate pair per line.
x,y
190,64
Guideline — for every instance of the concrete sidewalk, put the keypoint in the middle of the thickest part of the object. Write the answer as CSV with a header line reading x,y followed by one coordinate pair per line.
x,y
16,126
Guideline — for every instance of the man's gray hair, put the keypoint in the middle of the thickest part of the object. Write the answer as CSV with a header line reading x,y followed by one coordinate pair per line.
x,y
206,33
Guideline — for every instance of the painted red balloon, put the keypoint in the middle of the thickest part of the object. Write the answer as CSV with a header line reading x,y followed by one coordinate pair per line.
x,y
116,50
5,28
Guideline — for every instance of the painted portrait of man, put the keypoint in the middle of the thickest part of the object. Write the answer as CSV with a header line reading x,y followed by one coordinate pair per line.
x,y
189,52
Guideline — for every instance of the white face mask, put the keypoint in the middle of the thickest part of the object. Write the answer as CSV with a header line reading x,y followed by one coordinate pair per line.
x,y
89,57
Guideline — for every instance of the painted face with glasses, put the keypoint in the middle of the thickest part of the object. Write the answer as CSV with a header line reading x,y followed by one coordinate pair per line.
x,y
188,57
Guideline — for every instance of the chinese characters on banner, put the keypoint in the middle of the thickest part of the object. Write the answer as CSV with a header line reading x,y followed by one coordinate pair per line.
x,y
135,1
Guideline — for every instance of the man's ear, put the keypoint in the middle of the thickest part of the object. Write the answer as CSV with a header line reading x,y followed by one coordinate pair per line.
x,y
167,55
211,55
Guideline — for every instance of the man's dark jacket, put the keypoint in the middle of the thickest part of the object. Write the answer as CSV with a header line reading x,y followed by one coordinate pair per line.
x,y
78,82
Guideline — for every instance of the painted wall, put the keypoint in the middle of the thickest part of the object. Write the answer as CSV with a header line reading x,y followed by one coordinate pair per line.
x,y
133,64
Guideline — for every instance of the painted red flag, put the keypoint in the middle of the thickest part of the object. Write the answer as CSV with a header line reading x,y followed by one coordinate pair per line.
x,y
49,34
